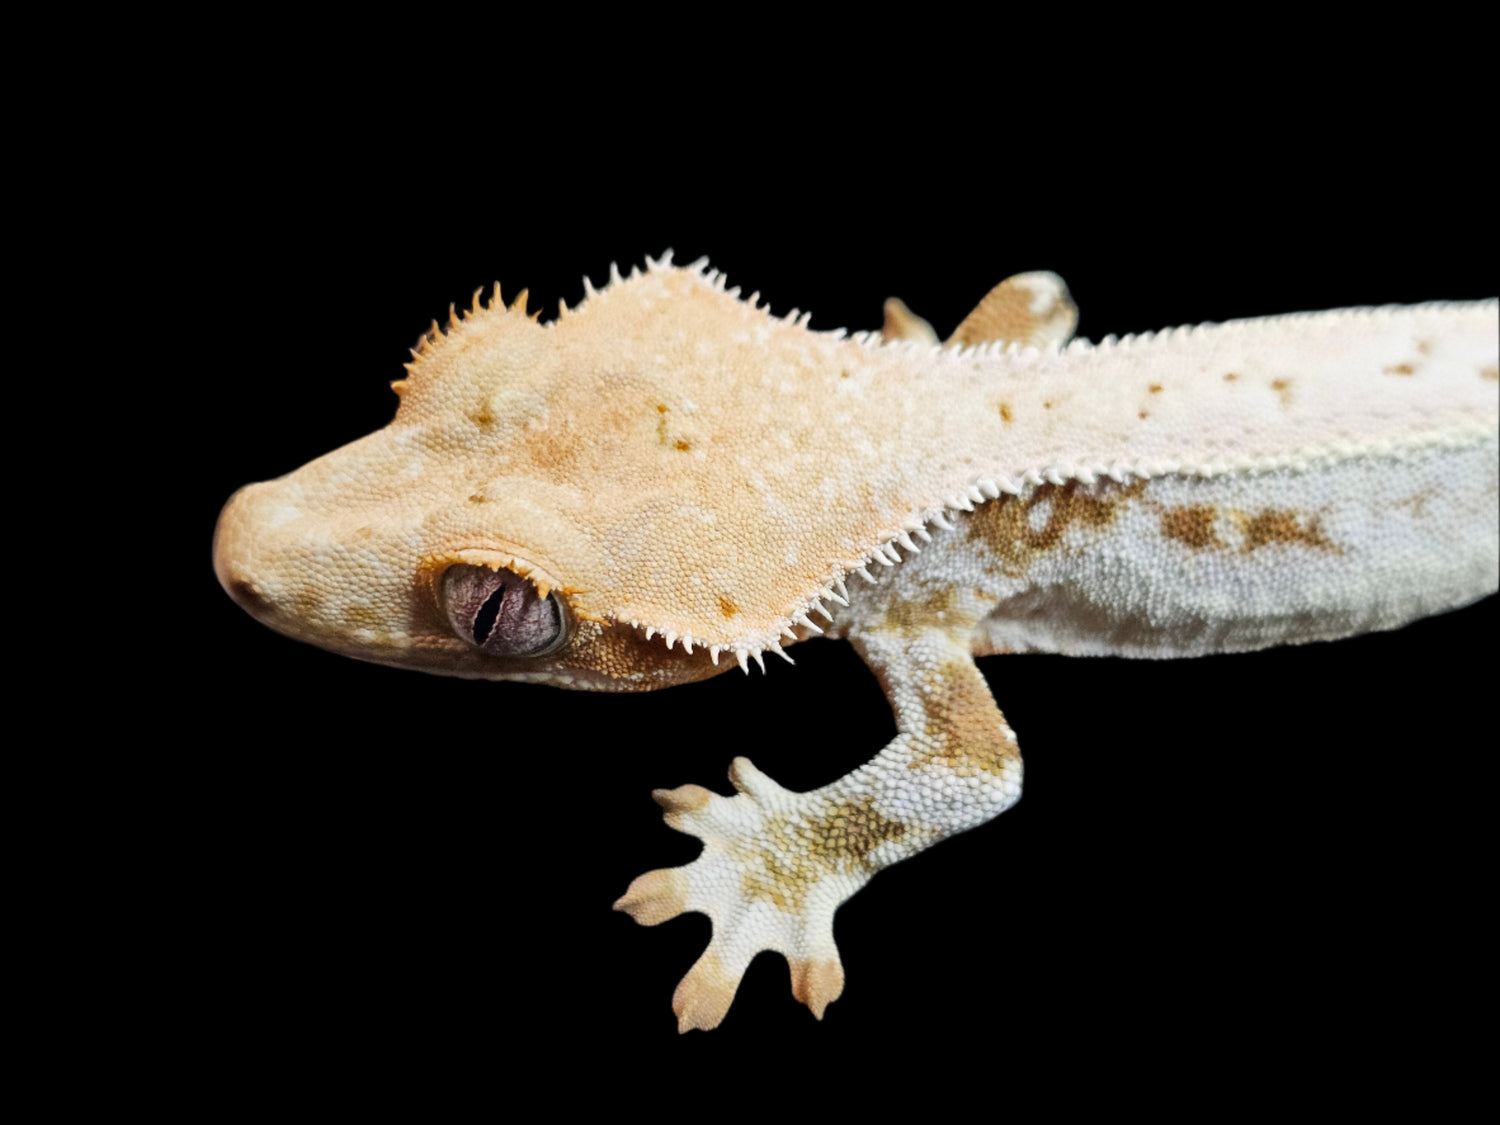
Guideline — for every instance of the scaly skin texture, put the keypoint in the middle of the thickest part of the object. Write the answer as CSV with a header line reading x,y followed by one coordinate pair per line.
x,y
667,481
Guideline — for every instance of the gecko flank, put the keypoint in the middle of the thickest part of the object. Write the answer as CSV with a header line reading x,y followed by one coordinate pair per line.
x,y
667,482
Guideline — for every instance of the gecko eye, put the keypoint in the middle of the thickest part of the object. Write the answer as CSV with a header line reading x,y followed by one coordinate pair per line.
x,y
500,613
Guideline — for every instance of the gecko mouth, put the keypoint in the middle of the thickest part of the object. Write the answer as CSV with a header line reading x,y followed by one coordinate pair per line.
x,y
245,595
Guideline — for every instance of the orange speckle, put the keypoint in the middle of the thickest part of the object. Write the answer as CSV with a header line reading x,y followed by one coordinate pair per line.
x,y
1401,369
727,607
1154,388
964,730
1143,416
1230,377
1490,373
1005,413
683,446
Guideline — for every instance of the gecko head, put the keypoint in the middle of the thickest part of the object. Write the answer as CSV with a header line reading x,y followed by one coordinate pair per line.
x,y
480,534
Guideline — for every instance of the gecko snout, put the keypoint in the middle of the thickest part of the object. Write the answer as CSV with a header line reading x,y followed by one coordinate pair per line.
x,y
229,557
277,568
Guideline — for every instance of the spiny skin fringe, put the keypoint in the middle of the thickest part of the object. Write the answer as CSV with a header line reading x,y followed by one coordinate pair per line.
x,y
753,647
884,552
948,352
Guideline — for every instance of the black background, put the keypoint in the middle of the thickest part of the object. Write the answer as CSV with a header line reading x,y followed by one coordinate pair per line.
x,y
1229,862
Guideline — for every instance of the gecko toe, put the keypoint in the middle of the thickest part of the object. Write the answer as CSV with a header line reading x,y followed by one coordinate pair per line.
x,y
703,996
816,983
655,897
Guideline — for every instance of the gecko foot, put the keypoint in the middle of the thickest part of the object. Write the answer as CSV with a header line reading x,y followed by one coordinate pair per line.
x,y
775,866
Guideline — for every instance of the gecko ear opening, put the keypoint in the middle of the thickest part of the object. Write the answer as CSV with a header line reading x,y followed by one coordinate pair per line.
x,y
501,613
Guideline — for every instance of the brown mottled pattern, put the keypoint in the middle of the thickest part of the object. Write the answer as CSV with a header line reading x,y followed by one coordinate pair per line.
x,y
1277,525
909,616
1400,369
1193,525
964,730
1004,525
790,855
1283,387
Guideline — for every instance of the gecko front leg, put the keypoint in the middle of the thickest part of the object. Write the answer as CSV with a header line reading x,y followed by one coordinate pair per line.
x,y
777,864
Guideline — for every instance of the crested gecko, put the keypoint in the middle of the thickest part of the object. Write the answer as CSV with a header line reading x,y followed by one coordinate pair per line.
x,y
666,482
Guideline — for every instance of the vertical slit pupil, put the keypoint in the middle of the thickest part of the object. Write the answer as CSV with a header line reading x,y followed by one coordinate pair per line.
x,y
484,620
